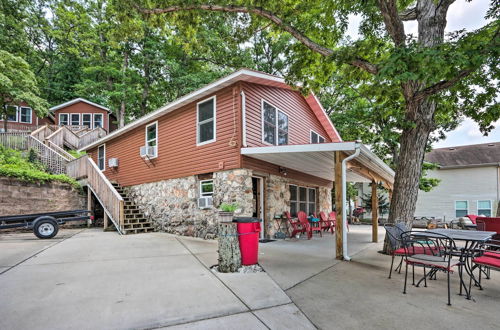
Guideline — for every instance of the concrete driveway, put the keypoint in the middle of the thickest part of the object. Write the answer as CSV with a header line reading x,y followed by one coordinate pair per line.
x,y
89,279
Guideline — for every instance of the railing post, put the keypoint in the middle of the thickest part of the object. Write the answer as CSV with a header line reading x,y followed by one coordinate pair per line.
x,y
122,214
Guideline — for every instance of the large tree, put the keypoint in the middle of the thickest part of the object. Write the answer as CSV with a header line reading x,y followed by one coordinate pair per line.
x,y
18,84
434,75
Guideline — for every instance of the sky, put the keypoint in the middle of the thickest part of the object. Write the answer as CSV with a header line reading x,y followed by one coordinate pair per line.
x,y
461,15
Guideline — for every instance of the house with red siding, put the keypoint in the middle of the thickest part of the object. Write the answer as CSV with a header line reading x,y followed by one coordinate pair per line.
x,y
247,138
22,117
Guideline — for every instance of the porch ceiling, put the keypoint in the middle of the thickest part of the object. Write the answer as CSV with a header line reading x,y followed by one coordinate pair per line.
x,y
319,160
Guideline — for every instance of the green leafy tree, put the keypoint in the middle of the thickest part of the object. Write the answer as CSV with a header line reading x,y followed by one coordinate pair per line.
x,y
433,76
18,84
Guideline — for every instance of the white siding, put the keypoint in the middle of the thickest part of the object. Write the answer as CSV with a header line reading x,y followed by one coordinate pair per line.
x,y
470,184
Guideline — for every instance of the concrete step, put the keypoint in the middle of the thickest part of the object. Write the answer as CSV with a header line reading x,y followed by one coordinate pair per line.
x,y
138,231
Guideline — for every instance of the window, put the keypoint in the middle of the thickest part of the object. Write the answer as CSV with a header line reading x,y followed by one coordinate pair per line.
x,y
87,120
75,119
461,208
274,125
25,115
11,113
206,121
101,157
98,121
63,119
302,199
484,208
152,137
206,188
316,138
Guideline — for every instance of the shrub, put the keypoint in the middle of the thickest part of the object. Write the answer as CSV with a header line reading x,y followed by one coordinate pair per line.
x,y
14,164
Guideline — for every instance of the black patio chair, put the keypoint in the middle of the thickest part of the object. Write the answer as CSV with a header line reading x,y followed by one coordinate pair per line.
x,y
435,252
394,234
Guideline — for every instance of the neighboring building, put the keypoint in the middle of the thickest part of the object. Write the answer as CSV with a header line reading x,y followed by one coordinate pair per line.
x,y
77,112
241,139
23,117
81,112
469,182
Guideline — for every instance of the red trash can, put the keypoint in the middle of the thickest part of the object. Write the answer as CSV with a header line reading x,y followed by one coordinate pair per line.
x,y
248,236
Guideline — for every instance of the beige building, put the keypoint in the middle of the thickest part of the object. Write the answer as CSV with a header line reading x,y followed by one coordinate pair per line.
x,y
469,182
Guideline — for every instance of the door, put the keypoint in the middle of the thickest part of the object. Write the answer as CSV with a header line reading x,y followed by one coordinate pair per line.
x,y
258,201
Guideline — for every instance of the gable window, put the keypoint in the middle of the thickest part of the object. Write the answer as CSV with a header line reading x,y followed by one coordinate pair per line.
x,y
98,120
152,138
206,129
484,208
75,119
25,115
101,157
316,138
274,125
206,188
461,208
11,113
63,119
302,199
87,120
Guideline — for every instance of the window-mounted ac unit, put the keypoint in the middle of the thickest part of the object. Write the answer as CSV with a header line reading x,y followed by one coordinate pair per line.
x,y
113,162
205,202
148,152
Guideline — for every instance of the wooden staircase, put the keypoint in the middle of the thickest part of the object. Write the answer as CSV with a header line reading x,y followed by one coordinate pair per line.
x,y
134,221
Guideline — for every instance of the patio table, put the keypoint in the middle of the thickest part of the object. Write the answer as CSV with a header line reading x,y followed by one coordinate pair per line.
x,y
471,239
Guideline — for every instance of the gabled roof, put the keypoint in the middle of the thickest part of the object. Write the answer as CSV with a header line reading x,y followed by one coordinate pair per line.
x,y
247,75
466,156
66,104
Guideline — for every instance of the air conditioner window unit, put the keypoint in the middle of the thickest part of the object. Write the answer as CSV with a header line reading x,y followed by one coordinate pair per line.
x,y
113,162
205,202
148,152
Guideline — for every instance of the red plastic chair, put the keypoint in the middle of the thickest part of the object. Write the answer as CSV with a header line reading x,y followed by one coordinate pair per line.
x,y
333,216
302,216
297,226
316,225
326,223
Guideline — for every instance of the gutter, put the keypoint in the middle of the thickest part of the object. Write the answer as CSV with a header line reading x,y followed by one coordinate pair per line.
x,y
344,198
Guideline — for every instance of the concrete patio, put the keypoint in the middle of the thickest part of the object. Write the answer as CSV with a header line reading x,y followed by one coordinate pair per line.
x,y
92,279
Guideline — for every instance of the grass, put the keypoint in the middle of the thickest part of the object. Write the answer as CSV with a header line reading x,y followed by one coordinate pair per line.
x,y
25,167
76,154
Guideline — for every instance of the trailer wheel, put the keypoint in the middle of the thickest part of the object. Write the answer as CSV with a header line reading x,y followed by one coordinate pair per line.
x,y
46,228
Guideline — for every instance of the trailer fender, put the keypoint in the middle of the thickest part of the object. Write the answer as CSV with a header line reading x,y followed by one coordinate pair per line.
x,y
45,227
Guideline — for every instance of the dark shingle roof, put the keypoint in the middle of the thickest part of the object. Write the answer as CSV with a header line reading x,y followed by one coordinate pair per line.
x,y
476,154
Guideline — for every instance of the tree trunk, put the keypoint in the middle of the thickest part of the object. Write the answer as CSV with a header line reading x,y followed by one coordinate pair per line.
x,y
229,248
121,115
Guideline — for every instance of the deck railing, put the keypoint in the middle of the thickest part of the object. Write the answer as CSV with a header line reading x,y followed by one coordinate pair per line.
x,y
69,157
14,140
107,195
77,168
56,138
91,137
47,156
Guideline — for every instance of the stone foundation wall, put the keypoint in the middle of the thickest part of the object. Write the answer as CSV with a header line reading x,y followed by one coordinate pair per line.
x,y
19,197
172,205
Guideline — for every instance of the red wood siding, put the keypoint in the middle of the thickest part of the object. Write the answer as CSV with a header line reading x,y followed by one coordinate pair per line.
x,y
81,108
268,168
301,119
178,155
17,124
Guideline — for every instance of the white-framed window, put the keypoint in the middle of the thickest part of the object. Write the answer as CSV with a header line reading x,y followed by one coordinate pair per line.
x,y
152,137
98,120
87,120
461,208
101,157
206,121
206,188
12,112
75,119
484,208
25,115
274,125
316,138
63,119
302,199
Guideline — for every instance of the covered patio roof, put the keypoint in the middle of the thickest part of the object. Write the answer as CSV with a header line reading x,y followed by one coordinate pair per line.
x,y
319,160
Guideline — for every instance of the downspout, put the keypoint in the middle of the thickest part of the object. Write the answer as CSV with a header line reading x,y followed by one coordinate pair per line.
x,y
244,118
357,149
